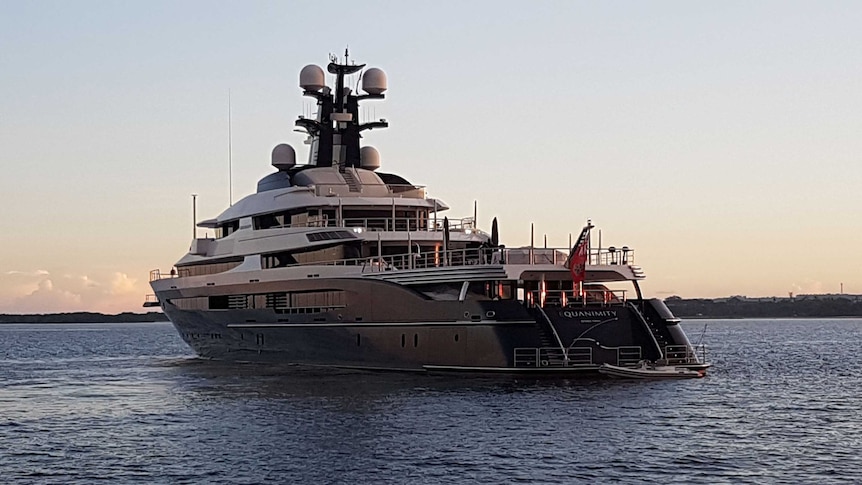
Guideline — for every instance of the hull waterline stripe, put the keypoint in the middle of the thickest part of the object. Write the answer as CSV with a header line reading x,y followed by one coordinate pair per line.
x,y
509,370
470,323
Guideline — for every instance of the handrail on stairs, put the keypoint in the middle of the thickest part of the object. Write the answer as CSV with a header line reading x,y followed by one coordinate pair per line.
x,y
556,335
649,330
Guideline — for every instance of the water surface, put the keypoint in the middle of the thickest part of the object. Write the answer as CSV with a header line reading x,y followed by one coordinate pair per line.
x,y
130,403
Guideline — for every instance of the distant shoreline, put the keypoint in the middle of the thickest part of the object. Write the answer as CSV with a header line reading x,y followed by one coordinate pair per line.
x,y
828,306
84,317
691,309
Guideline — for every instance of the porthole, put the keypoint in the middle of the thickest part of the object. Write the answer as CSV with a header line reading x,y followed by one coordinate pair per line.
x,y
358,340
490,314
415,339
403,340
456,337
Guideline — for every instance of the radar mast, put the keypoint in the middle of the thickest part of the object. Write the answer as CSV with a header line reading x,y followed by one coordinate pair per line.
x,y
335,133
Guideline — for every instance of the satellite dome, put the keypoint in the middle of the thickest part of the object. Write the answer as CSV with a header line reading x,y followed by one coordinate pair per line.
x,y
374,81
369,158
283,157
311,78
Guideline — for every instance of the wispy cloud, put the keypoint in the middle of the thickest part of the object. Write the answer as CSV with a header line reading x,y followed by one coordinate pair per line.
x,y
38,272
808,287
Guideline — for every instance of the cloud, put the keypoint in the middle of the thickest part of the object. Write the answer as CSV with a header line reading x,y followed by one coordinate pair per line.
x,y
112,293
88,282
123,285
46,298
808,287
38,272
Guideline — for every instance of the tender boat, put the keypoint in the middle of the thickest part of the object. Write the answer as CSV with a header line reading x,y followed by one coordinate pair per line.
x,y
337,263
647,370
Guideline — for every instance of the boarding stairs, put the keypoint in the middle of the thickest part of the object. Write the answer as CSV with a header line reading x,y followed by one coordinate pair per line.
x,y
350,178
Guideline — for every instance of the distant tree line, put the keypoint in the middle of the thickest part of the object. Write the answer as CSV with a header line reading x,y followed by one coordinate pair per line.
x,y
84,317
779,308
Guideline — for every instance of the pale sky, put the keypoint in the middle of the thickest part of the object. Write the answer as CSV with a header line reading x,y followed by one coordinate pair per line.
x,y
719,140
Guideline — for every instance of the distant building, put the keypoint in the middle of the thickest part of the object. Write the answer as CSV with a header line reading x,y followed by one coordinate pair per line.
x,y
779,299
830,296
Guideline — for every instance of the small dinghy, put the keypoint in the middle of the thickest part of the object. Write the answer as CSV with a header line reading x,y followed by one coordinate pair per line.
x,y
647,370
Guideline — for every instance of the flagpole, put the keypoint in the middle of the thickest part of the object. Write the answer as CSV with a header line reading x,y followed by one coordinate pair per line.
x,y
229,152
531,243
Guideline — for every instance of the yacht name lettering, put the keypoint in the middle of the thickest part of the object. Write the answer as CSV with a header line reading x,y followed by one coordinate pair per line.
x,y
588,313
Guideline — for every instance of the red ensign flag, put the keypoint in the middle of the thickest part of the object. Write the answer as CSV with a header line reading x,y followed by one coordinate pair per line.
x,y
578,263
577,260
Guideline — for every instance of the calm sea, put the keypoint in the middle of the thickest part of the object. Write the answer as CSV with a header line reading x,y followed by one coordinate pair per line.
x,y
129,403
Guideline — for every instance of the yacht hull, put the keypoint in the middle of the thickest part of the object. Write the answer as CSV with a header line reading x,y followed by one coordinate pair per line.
x,y
439,336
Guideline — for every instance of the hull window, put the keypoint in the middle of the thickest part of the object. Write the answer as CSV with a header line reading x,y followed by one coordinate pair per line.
x,y
199,303
305,302
229,302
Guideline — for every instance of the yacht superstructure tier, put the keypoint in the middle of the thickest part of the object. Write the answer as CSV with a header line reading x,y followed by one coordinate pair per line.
x,y
337,263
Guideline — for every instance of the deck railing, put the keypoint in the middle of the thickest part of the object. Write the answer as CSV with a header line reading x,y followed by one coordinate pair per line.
x,y
460,257
685,354
577,357
595,297
396,190
397,224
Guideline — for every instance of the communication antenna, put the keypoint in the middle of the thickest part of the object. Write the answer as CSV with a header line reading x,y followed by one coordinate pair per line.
x,y
229,152
194,216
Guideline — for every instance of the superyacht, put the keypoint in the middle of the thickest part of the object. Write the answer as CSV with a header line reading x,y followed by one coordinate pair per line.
x,y
338,263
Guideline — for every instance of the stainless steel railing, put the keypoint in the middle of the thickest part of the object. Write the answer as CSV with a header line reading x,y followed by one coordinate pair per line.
x,y
685,354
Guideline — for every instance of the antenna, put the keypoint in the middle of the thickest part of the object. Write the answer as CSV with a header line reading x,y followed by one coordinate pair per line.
x,y
229,152
194,216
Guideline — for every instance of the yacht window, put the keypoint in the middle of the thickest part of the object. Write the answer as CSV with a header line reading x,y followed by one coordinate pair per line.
x,y
305,217
329,254
276,260
478,290
267,221
226,229
490,290
230,302
440,291
328,235
207,268
324,255
219,302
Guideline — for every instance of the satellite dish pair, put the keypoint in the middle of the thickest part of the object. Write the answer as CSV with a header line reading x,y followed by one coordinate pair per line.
x,y
311,78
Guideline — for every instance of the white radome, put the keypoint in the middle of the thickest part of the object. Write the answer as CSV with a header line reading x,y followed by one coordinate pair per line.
x,y
374,81
369,158
311,78
283,156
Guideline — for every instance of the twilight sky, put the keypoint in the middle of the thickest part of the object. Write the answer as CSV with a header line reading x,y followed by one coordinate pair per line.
x,y
722,141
